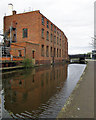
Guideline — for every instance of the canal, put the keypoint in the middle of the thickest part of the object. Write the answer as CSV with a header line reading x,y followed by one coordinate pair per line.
x,y
39,92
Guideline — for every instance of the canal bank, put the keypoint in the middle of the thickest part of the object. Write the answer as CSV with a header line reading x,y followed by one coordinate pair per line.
x,y
20,67
80,104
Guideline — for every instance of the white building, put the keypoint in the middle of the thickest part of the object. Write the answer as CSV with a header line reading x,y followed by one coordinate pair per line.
x,y
95,25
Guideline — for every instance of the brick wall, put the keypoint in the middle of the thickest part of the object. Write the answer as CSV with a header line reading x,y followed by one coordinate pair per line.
x,y
28,20
33,22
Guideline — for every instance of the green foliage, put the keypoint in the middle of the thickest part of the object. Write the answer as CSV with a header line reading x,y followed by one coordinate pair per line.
x,y
27,63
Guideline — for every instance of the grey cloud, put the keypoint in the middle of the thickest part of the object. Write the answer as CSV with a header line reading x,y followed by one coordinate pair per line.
x,y
74,17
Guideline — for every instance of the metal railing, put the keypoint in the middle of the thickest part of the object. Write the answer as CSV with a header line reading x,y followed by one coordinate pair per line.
x,y
4,51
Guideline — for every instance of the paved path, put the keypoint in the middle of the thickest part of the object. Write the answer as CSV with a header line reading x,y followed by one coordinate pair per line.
x,y
81,102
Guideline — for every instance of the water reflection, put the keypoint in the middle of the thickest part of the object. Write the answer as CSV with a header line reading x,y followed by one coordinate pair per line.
x,y
27,92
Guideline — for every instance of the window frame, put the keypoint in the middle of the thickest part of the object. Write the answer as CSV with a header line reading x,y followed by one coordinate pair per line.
x,y
57,52
19,53
54,39
54,29
51,53
43,20
47,35
57,40
42,33
51,37
25,32
42,50
47,51
51,26
47,24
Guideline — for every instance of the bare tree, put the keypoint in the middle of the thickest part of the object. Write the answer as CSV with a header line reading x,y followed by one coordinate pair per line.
x,y
93,43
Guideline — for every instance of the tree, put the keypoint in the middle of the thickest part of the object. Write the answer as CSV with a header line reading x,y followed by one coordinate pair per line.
x,y
93,42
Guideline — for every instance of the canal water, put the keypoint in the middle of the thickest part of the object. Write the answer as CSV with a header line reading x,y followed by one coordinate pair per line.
x,y
40,92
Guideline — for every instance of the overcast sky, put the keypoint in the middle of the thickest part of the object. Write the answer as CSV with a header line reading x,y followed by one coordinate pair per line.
x,y
74,17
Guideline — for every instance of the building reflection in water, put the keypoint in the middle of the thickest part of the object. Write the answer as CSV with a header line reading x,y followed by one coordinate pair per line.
x,y
28,90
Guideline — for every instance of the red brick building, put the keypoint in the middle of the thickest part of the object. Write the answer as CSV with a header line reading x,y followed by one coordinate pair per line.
x,y
32,35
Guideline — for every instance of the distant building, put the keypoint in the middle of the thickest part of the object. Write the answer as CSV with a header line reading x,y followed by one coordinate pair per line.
x,y
93,54
32,35
94,51
95,25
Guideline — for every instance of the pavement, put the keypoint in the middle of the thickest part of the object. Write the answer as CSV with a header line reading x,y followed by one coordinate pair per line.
x,y
80,103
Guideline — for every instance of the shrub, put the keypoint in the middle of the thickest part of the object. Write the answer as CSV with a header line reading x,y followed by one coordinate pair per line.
x,y
27,63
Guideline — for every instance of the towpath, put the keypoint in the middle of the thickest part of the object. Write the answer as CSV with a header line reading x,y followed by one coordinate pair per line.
x,y
80,104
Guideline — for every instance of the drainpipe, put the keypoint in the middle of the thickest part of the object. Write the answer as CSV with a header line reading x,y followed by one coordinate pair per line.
x,y
10,35
53,51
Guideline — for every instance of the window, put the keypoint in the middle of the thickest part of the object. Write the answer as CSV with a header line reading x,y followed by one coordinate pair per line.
x,y
54,29
47,35
57,33
51,27
60,41
33,54
54,52
42,50
14,37
51,51
25,32
47,51
47,24
60,33
57,40
57,52
19,53
51,37
54,39
60,53
42,34
42,20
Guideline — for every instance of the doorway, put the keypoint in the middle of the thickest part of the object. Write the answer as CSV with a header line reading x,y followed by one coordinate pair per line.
x,y
33,57
33,54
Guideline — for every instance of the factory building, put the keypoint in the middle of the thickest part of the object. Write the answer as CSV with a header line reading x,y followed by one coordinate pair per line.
x,y
31,35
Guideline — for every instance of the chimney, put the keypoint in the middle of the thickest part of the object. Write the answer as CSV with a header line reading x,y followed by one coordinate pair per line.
x,y
10,9
14,12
